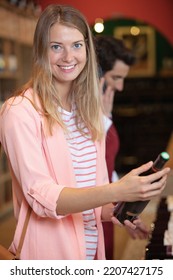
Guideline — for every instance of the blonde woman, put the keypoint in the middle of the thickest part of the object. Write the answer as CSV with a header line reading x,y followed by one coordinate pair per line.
x,y
53,136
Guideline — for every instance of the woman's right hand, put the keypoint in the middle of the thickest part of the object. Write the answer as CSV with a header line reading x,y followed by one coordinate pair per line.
x,y
133,187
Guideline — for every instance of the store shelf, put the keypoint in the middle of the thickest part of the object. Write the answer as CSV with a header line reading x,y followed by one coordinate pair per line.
x,y
143,115
15,67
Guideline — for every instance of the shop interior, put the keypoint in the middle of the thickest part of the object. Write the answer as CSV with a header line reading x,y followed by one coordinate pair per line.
x,y
143,113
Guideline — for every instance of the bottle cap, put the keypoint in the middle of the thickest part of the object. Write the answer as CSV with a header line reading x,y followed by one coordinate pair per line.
x,y
165,156
160,161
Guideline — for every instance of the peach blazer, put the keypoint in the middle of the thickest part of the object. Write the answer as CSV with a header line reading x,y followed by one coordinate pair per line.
x,y
41,167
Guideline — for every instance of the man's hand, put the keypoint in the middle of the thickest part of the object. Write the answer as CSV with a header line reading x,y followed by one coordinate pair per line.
x,y
107,98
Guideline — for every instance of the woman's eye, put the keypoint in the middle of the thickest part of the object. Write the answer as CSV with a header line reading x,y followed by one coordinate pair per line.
x,y
56,47
77,45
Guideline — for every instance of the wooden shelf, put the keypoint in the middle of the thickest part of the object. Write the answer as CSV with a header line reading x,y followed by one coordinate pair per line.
x,y
143,116
16,36
25,12
15,26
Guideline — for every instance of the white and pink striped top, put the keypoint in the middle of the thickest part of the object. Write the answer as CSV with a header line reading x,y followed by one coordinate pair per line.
x,y
83,153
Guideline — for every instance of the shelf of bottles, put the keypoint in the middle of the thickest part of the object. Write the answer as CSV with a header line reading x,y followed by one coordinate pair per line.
x,y
9,67
5,188
26,7
18,19
8,59
143,117
160,245
9,75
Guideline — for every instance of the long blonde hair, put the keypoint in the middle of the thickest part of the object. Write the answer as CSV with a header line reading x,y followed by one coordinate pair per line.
x,y
86,85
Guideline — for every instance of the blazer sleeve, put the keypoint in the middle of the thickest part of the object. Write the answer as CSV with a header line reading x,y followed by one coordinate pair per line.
x,y
20,135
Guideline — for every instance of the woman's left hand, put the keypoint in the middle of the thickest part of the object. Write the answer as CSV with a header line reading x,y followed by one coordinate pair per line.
x,y
138,230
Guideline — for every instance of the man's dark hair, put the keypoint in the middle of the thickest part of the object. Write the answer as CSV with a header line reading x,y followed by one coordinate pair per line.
x,y
109,49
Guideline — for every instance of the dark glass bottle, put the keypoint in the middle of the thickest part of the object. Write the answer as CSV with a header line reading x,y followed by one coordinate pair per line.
x,y
2,57
130,210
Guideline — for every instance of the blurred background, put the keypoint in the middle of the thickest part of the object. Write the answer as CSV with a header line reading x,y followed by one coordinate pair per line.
x,y
143,113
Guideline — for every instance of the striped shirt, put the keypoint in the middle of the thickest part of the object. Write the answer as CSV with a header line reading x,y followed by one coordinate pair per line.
x,y
83,153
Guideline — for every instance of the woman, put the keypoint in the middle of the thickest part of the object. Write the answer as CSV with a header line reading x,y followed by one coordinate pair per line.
x,y
53,136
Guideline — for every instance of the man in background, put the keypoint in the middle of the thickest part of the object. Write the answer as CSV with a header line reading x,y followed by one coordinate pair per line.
x,y
114,60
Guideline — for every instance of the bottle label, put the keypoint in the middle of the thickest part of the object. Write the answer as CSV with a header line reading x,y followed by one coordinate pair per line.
x,y
131,213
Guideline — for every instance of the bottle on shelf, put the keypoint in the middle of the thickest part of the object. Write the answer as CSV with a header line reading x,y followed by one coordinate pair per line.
x,y
2,57
12,61
156,247
130,210
13,2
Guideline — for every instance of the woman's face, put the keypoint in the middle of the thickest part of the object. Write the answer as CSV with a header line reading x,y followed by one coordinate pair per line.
x,y
67,53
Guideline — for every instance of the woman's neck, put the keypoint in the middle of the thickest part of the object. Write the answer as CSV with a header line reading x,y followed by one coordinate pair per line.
x,y
65,94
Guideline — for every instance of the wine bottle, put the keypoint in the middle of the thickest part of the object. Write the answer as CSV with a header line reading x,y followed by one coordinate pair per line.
x,y
2,57
12,57
130,210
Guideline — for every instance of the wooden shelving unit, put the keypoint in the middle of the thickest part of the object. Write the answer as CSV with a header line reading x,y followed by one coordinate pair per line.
x,y
143,115
16,36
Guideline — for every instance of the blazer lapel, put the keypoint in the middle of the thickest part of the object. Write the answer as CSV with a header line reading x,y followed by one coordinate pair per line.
x,y
58,155
56,150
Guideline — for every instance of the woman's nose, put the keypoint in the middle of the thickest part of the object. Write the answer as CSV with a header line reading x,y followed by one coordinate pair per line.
x,y
67,55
